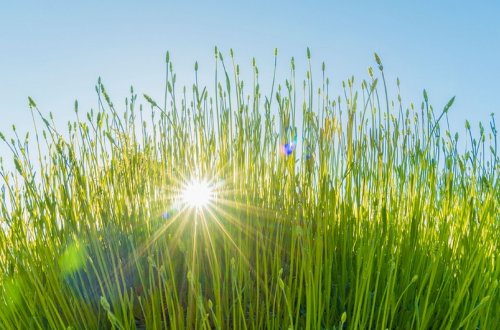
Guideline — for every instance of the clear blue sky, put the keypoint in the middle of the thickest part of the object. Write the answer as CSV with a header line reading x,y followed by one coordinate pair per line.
x,y
54,51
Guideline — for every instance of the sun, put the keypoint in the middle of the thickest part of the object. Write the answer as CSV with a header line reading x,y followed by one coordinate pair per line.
x,y
197,194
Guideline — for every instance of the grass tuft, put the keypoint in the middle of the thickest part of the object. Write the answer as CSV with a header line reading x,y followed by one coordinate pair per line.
x,y
325,212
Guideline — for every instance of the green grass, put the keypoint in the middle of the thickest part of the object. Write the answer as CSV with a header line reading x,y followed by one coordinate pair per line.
x,y
374,220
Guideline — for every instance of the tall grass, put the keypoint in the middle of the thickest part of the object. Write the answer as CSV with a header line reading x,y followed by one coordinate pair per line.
x,y
328,212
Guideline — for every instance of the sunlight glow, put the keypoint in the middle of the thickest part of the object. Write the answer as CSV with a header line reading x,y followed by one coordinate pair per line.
x,y
197,194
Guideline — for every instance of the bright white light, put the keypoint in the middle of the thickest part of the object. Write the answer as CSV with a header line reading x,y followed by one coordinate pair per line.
x,y
197,194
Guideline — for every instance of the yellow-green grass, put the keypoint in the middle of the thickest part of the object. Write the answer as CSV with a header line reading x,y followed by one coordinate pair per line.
x,y
371,218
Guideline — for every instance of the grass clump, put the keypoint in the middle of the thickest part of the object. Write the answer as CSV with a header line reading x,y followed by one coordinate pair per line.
x,y
325,212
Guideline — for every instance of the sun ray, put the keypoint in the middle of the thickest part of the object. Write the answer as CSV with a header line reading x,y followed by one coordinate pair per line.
x,y
226,233
243,227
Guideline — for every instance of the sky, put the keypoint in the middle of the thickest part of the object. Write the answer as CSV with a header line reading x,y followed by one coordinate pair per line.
x,y
54,51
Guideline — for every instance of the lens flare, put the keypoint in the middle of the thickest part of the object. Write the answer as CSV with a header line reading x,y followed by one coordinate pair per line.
x,y
289,141
288,148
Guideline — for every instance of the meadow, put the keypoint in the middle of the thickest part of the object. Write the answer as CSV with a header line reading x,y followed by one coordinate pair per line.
x,y
242,208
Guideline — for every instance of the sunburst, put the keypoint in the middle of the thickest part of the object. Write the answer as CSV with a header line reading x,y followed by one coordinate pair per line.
x,y
197,194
